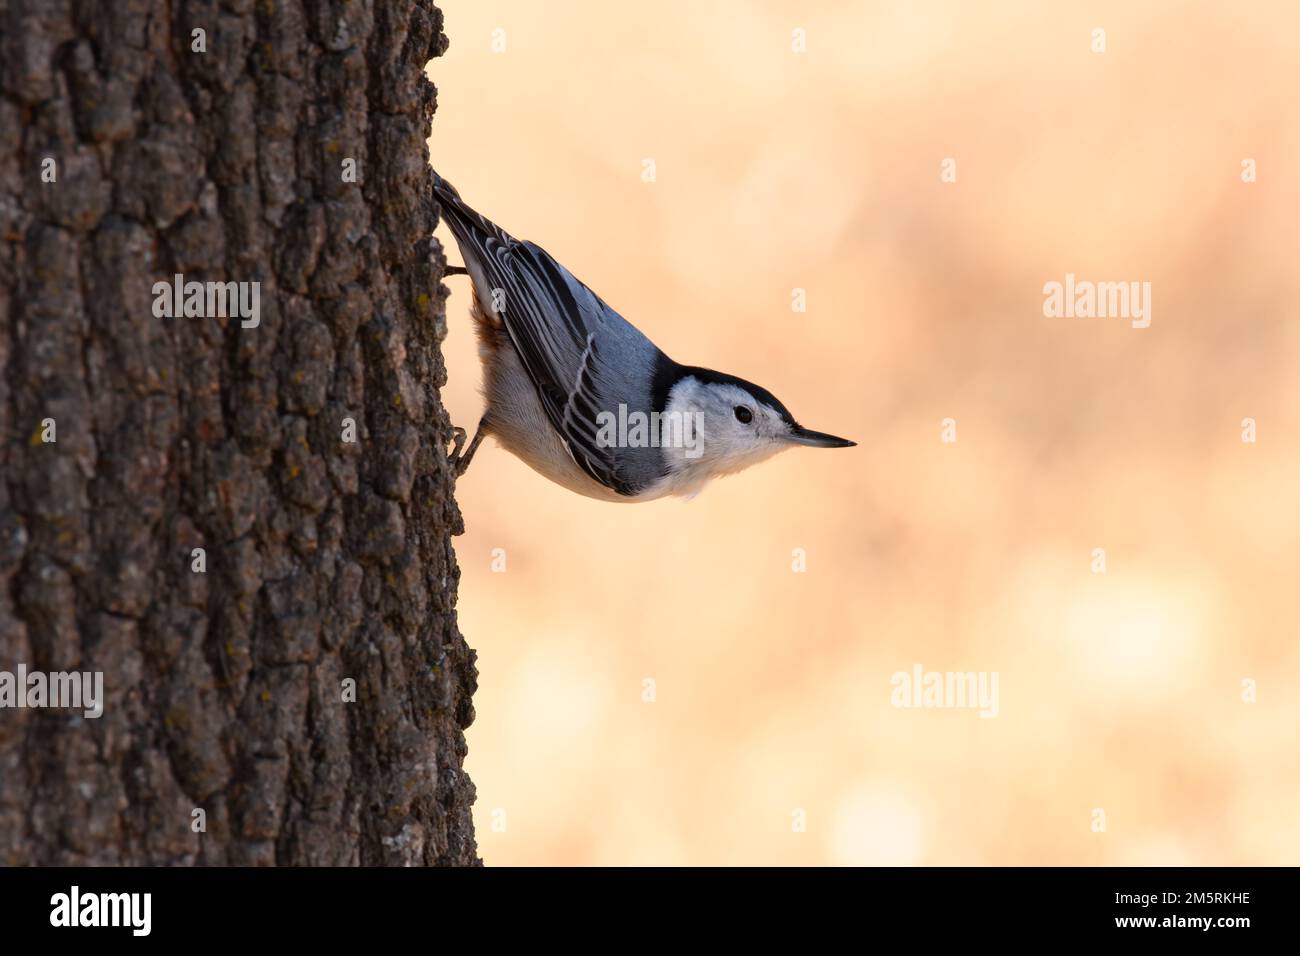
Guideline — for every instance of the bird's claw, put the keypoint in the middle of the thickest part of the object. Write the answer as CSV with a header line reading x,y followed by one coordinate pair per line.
x,y
458,436
460,456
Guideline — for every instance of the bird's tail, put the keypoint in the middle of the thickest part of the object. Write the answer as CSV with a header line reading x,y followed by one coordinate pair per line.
x,y
474,233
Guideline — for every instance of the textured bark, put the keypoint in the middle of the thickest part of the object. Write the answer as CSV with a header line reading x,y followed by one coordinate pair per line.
x,y
325,560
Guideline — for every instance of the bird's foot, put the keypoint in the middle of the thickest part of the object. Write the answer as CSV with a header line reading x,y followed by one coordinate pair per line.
x,y
458,437
460,461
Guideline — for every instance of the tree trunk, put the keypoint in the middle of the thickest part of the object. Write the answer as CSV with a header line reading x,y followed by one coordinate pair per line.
x,y
131,439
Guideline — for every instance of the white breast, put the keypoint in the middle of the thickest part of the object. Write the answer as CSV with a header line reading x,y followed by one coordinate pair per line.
x,y
520,424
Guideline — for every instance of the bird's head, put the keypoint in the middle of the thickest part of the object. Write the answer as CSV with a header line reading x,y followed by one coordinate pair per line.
x,y
733,424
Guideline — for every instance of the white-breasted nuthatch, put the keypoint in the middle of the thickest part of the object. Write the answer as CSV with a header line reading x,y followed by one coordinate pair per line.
x,y
580,395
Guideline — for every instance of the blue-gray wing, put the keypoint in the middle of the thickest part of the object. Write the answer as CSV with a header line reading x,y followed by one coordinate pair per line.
x,y
583,357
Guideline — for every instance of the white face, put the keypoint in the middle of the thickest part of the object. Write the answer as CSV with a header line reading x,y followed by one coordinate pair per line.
x,y
736,430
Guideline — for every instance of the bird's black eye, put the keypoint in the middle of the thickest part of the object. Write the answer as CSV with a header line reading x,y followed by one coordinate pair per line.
x,y
743,415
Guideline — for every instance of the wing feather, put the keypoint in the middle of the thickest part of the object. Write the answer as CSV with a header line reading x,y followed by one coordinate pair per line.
x,y
582,356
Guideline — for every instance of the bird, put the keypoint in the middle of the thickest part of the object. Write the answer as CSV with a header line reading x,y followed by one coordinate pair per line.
x,y
583,397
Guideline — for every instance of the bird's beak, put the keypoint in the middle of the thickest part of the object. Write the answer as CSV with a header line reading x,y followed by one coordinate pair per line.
x,y
806,436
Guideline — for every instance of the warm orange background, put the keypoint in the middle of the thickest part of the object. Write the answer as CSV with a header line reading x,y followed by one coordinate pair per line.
x,y
820,170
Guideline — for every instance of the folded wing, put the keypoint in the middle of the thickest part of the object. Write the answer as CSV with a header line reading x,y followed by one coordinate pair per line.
x,y
582,356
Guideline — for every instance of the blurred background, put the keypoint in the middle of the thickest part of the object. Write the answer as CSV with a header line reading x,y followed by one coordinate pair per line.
x,y
768,733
